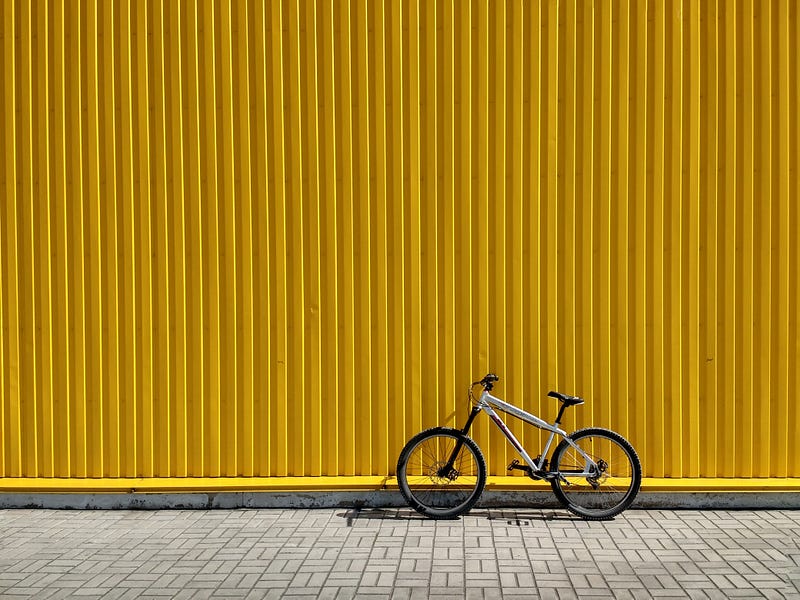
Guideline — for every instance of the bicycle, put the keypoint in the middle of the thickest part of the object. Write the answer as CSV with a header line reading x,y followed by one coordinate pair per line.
x,y
595,473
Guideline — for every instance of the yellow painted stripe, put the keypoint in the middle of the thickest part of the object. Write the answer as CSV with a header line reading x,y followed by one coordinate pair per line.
x,y
362,483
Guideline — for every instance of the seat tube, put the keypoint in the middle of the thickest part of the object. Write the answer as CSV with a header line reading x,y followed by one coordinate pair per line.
x,y
546,450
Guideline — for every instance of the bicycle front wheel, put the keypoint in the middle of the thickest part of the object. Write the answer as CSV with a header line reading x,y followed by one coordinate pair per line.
x,y
432,484
612,485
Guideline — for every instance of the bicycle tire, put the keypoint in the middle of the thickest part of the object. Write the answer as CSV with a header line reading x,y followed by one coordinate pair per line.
x,y
613,490
420,484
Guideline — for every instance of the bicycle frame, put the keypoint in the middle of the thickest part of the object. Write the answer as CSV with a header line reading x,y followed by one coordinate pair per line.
x,y
487,403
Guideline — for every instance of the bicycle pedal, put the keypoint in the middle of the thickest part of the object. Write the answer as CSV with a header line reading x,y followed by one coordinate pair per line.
x,y
514,465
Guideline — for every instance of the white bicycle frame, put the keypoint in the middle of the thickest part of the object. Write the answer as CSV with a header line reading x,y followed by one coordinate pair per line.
x,y
487,403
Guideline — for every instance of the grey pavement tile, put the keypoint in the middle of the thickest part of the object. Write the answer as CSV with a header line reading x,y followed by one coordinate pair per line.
x,y
342,553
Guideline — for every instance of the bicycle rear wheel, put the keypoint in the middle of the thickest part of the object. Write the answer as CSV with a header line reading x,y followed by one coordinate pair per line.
x,y
611,488
426,486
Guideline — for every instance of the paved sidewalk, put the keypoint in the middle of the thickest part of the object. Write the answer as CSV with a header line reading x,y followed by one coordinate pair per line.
x,y
380,553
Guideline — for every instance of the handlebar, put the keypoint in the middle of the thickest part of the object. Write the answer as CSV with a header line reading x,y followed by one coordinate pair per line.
x,y
488,381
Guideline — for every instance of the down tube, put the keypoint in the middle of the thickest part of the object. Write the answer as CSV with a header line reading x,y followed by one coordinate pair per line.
x,y
510,437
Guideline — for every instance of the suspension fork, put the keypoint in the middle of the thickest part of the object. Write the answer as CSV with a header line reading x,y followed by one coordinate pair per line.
x,y
447,469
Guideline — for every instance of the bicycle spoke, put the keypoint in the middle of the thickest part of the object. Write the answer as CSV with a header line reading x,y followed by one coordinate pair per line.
x,y
433,484
599,486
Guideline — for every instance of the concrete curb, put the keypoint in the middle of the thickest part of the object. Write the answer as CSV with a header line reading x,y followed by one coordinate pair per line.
x,y
377,499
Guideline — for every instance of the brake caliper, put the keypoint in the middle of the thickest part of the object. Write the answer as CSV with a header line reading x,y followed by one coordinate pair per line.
x,y
602,467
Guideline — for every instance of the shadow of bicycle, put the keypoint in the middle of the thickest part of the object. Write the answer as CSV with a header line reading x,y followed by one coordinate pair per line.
x,y
358,513
513,517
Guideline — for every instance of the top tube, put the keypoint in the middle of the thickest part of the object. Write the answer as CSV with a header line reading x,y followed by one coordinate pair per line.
x,y
514,411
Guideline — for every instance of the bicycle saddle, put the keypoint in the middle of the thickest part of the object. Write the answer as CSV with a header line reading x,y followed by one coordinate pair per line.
x,y
567,400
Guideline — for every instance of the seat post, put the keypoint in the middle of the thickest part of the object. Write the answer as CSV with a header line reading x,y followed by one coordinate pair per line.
x,y
560,413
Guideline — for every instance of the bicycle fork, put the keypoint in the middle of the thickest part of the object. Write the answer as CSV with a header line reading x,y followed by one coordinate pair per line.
x,y
447,471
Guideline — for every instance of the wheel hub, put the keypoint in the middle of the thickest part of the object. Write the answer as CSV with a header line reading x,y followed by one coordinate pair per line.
x,y
440,473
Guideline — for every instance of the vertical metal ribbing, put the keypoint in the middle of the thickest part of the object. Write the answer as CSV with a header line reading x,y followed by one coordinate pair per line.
x,y
279,238
411,216
495,225
126,234
565,244
531,200
674,234
74,211
690,250
429,209
328,236
10,291
109,273
242,229
28,325
4,135
382,456
277,249
781,221
621,243
163,337
639,204
709,215
312,304
42,297
142,237
193,244
794,244
176,186
344,133
396,226
463,191
229,203
208,68
745,130
601,270
727,338
513,224
58,247
363,172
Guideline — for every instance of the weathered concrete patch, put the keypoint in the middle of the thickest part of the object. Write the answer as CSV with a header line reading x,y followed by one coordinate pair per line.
x,y
377,499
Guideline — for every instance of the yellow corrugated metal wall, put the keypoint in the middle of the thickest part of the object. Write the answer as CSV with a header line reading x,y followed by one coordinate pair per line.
x,y
265,239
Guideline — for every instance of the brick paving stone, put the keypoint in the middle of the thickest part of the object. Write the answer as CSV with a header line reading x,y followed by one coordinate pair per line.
x,y
371,553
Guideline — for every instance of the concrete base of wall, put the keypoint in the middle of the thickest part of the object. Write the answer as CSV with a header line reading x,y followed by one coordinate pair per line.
x,y
378,499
